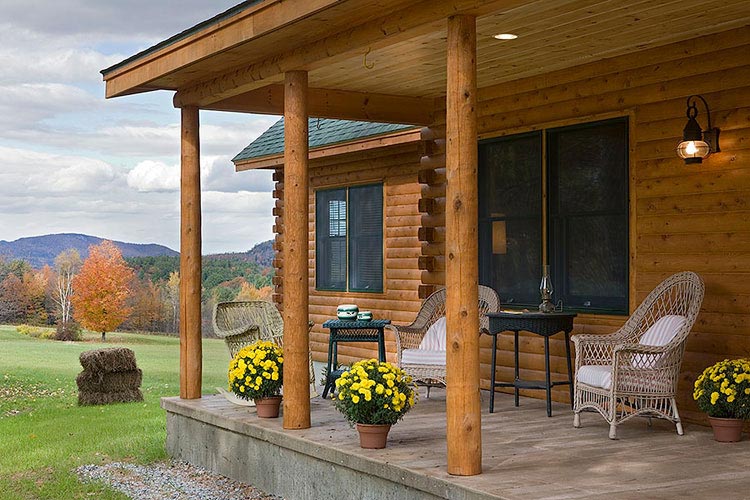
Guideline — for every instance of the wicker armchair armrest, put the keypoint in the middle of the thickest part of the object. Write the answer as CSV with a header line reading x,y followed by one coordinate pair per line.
x,y
594,349
407,337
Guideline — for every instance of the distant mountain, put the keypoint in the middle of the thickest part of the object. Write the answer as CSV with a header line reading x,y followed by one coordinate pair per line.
x,y
261,254
41,250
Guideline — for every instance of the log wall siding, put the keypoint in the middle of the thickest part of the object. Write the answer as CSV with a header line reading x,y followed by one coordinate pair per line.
x,y
683,217
397,167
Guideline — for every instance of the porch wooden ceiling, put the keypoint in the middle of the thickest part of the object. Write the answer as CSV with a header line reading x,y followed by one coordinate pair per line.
x,y
552,35
384,60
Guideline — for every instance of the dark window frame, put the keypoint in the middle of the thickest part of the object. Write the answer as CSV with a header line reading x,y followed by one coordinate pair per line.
x,y
559,223
353,242
557,247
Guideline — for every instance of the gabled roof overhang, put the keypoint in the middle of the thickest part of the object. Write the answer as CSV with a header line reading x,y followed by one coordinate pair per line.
x,y
384,60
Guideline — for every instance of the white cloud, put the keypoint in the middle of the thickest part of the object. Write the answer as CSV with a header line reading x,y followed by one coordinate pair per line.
x,y
120,20
28,56
75,162
25,105
151,175
217,174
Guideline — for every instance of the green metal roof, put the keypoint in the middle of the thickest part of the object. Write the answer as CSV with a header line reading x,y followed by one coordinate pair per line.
x,y
184,34
323,132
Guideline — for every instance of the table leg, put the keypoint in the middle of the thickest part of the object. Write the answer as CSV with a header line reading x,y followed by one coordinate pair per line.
x,y
570,367
329,368
546,370
381,345
515,382
494,367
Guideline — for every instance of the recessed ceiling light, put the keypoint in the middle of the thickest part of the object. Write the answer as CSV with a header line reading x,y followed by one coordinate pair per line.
x,y
506,36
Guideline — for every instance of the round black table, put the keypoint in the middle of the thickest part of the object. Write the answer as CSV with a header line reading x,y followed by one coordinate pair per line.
x,y
544,324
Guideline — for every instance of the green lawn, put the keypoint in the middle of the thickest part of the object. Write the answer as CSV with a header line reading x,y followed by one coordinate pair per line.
x,y
44,434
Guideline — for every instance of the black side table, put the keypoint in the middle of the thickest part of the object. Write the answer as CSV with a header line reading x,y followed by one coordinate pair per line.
x,y
544,324
351,331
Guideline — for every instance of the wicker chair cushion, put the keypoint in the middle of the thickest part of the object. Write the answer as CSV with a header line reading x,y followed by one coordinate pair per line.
x,y
663,330
595,375
434,339
659,334
422,357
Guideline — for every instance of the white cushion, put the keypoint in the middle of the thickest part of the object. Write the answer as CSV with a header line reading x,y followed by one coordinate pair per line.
x,y
595,375
434,339
663,330
422,357
659,334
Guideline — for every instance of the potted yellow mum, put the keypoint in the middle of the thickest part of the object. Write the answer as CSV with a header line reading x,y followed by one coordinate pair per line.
x,y
723,392
374,395
256,373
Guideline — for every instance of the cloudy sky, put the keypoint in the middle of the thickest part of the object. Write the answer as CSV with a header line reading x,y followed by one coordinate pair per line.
x,y
71,161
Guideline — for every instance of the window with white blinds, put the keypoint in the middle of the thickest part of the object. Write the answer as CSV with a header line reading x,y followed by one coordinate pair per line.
x,y
349,239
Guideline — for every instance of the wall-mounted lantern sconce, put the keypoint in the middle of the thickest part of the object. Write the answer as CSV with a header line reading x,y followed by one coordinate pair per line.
x,y
696,143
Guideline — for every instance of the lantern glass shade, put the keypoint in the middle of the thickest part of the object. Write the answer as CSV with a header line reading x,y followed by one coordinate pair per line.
x,y
693,151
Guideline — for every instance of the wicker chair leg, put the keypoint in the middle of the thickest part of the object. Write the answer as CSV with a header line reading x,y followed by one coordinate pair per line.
x,y
678,422
428,391
613,431
577,420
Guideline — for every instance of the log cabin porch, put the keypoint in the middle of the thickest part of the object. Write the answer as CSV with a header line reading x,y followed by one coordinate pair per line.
x,y
525,454
437,64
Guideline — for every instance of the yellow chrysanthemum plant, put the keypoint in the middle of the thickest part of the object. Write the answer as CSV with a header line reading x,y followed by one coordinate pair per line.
x,y
374,392
256,371
723,390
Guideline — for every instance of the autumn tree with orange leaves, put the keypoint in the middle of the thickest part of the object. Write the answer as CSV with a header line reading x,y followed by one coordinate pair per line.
x,y
100,289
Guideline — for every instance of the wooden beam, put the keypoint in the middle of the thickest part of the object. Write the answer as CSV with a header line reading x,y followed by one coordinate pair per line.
x,y
416,19
296,300
191,356
326,103
463,409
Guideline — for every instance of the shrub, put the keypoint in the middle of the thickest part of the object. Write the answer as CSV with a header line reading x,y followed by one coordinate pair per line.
x,y
723,390
34,331
69,330
256,371
374,392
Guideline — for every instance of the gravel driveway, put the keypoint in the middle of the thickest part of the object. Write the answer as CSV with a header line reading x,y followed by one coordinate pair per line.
x,y
170,481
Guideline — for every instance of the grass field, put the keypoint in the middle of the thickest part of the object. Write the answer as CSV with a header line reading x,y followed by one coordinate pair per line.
x,y
44,435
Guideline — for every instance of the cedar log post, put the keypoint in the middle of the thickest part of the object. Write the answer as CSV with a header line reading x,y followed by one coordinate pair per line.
x,y
296,299
463,408
191,355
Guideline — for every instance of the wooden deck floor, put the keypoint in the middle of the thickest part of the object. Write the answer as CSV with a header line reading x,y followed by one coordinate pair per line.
x,y
527,455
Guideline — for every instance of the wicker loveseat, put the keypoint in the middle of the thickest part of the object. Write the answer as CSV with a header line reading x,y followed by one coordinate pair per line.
x,y
634,371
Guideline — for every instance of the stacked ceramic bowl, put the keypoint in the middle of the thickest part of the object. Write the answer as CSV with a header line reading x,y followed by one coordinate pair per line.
x,y
347,312
364,316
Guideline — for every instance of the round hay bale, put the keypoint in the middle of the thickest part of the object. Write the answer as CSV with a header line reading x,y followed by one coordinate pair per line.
x,y
113,359
87,398
109,382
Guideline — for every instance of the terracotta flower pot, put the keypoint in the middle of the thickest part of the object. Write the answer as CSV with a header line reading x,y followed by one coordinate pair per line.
x,y
373,436
726,430
268,407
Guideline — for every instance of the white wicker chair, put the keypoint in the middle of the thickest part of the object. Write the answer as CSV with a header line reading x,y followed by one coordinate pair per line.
x,y
410,336
624,375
